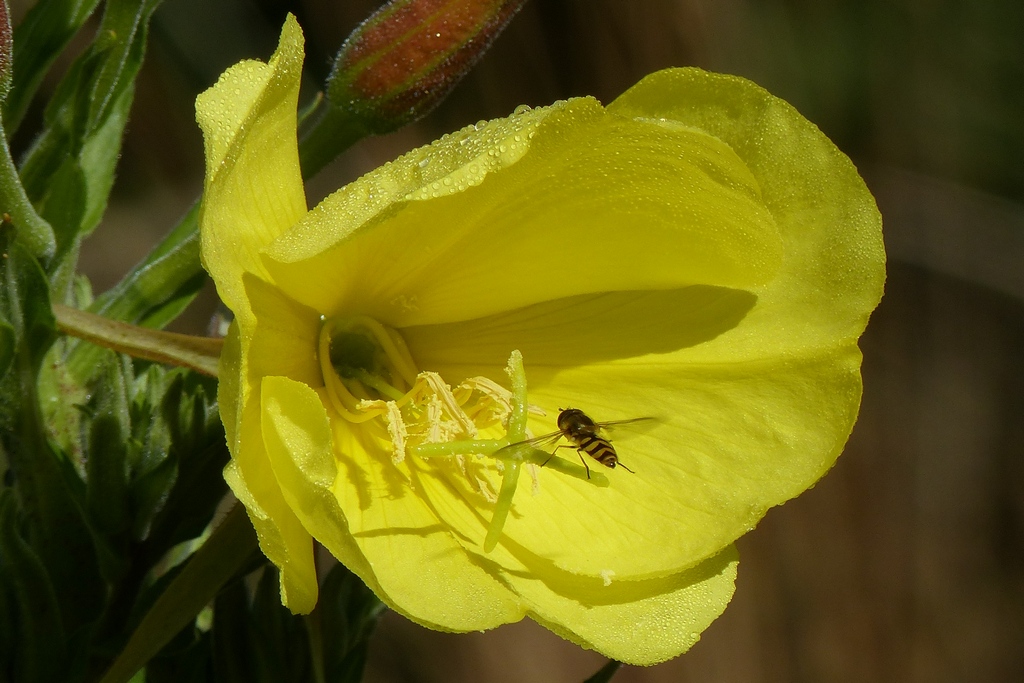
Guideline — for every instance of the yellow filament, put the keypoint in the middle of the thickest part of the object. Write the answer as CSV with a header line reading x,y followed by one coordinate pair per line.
x,y
398,361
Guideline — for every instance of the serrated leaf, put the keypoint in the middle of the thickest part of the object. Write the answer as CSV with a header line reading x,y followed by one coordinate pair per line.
x,y
198,448
107,430
69,169
25,309
61,398
38,40
50,491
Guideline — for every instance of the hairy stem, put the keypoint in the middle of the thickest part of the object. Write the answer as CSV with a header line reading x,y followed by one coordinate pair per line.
x,y
198,353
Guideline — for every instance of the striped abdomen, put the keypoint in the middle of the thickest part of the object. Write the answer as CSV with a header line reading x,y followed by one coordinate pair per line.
x,y
597,448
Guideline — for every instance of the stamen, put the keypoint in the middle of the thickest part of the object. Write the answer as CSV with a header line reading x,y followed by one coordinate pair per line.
x,y
369,373
397,431
452,407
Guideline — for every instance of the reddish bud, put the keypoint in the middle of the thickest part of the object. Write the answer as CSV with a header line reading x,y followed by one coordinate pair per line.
x,y
402,61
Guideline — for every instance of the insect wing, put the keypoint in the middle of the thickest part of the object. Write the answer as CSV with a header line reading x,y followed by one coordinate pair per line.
x,y
542,440
516,450
619,429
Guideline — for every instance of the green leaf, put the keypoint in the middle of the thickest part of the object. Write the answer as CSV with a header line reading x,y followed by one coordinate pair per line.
x,y
199,451
69,170
39,655
38,40
153,472
107,430
282,643
31,228
191,662
6,51
223,554
9,632
25,310
159,287
233,645
348,612
155,292
49,489
7,342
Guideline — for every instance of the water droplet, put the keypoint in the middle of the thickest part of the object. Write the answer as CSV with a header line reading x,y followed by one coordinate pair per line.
x,y
522,109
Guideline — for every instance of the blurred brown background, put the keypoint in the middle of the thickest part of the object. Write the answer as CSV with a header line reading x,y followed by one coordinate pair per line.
x,y
906,563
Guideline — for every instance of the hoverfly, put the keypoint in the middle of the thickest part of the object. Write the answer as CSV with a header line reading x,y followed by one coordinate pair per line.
x,y
583,434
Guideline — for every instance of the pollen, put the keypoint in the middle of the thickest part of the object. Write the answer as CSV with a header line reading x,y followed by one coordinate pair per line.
x,y
371,378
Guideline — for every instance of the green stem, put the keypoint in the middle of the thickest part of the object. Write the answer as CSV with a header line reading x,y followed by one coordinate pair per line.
x,y
32,230
605,673
216,562
314,629
198,353
331,132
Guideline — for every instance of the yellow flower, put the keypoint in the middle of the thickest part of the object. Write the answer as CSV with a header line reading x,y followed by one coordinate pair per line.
x,y
695,252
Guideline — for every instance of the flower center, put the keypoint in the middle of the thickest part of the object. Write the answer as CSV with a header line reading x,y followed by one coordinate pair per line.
x,y
369,374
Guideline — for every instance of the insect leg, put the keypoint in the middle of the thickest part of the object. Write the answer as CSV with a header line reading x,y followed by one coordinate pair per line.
x,y
554,451
579,452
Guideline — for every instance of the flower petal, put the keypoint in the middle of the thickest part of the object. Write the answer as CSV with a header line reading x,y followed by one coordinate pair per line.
x,y
834,267
277,337
604,192
756,391
392,541
282,539
636,622
253,188
730,441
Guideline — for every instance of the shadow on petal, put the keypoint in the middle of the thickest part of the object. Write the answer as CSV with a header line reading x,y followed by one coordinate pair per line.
x,y
581,330
594,591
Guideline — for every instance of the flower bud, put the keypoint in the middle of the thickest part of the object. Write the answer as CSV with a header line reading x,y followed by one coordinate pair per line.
x,y
402,61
